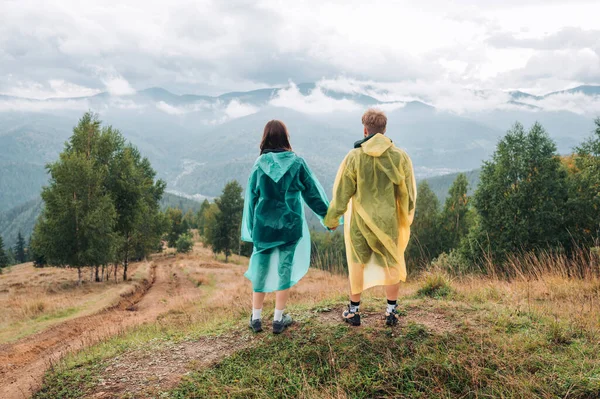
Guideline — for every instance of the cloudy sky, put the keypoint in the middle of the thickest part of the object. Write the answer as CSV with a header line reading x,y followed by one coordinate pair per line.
x,y
66,48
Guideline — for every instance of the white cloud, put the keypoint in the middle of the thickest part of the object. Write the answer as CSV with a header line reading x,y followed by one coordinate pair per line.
x,y
53,88
412,50
236,109
212,46
388,107
24,105
63,89
578,103
219,110
316,102
118,86
124,103
169,109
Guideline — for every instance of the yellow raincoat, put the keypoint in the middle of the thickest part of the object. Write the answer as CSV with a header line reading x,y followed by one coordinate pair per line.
x,y
375,190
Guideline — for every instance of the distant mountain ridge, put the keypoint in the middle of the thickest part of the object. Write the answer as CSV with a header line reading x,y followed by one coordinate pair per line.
x,y
197,142
262,96
22,218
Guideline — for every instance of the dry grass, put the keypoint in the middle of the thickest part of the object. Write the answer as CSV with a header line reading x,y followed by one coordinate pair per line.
x,y
494,336
571,300
583,263
33,299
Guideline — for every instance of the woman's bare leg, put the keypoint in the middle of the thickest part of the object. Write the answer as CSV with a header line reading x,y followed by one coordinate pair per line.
x,y
281,298
258,298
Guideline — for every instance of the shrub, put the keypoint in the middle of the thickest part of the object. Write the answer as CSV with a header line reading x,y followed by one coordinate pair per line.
x,y
452,263
435,285
184,243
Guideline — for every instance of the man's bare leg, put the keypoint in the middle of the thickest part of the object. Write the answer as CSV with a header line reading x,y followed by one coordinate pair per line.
x,y
391,315
391,292
355,298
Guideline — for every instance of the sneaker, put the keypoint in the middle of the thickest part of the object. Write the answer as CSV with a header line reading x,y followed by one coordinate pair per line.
x,y
391,319
280,326
256,325
351,318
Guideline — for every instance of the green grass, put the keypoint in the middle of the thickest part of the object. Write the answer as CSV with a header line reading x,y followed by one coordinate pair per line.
x,y
60,314
321,361
490,351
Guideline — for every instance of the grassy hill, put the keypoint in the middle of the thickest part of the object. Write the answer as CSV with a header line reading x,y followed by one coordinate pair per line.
x,y
460,338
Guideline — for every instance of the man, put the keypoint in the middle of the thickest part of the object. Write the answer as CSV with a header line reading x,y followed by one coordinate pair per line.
x,y
376,191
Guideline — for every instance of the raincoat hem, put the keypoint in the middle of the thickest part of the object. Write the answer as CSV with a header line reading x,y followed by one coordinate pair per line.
x,y
377,283
282,288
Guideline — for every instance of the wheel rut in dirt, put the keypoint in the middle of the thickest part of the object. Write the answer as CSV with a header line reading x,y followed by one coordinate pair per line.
x,y
24,362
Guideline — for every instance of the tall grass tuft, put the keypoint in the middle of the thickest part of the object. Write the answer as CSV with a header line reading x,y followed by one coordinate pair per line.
x,y
435,285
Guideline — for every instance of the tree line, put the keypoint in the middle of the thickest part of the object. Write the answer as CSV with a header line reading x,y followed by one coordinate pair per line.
x,y
529,199
102,210
19,254
217,223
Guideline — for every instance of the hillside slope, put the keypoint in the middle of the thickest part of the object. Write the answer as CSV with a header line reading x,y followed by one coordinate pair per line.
x,y
441,184
475,337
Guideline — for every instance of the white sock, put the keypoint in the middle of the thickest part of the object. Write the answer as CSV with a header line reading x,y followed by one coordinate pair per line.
x,y
390,308
256,314
278,315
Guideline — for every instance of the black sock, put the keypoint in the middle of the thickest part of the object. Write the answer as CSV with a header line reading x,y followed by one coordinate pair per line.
x,y
354,306
390,302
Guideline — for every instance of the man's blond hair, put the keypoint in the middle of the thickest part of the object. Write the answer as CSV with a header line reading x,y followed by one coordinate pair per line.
x,y
374,120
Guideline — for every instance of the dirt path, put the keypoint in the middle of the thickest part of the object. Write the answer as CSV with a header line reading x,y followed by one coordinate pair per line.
x,y
23,363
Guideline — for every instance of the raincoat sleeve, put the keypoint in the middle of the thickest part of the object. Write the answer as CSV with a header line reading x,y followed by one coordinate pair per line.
x,y
313,194
411,186
249,205
344,189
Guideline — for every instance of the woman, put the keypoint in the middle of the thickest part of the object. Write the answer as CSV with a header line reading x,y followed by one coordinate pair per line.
x,y
278,187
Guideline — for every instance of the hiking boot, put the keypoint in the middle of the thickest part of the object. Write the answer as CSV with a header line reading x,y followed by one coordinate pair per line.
x,y
256,325
391,319
351,318
280,326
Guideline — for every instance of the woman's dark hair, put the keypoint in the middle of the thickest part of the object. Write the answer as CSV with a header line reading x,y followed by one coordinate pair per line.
x,y
275,137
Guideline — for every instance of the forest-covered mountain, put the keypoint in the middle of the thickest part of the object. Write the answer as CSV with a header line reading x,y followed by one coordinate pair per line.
x,y
22,218
441,184
198,143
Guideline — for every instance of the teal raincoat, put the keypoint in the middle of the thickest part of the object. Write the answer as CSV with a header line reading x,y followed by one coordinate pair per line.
x,y
279,186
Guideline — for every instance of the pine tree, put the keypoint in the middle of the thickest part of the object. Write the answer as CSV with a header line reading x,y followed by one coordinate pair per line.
x,y
522,197
228,220
190,219
20,249
584,191
211,227
454,218
76,227
136,196
425,239
3,256
177,226
200,216
36,256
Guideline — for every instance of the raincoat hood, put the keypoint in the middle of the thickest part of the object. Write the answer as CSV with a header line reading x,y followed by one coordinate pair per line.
x,y
376,145
276,164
